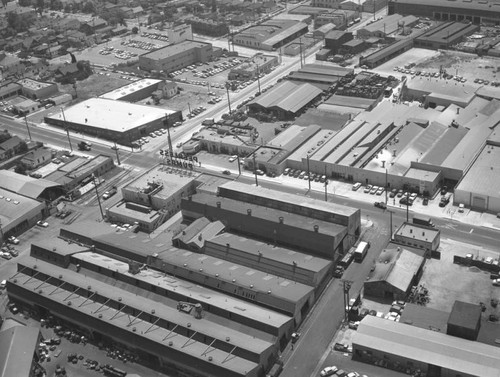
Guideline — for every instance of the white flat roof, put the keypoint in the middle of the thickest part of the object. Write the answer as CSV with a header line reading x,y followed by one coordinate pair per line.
x,y
111,115
130,88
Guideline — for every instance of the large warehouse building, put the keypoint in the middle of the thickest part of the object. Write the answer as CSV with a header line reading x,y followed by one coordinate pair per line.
x,y
403,347
286,100
118,121
475,11
177,56
271,35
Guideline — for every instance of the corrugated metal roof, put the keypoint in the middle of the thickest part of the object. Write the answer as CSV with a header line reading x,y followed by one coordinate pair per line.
x,y
289,96
427,346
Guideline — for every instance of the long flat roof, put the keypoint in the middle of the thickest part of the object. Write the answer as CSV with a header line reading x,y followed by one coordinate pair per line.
x,y
275,253
133,87
17,348
476,5
483,177
427,346
111,115
110,315
263,282
174,49
286,198
14,207
195,292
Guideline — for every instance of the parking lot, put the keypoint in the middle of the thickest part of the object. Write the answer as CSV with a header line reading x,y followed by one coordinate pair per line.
x,y
213,74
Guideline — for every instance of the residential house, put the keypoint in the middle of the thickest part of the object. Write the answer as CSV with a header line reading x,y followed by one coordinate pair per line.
x,y
67,24
11,147
93,25
37,157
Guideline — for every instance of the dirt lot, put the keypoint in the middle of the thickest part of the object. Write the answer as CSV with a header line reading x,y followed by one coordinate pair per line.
x,y
448,282
470,66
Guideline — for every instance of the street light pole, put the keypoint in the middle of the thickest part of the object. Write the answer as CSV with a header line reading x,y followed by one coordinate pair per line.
x,y
67,129
386,188
27,126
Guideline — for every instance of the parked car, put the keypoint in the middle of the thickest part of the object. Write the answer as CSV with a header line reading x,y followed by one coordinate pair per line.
x,y
374,190
393,193
356,186
13,240
233,158
43,224
367,189
496,282
461,207
341,347
328,371
381,205
380,191
226,172
295,337
425,201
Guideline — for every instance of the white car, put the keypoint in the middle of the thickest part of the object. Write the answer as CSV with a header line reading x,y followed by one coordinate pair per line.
x,y
43,224
328,371
233,158
13,240
461,207
496,282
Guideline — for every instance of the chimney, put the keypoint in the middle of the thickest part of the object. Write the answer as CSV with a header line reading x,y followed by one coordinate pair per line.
x,y
316,228
249,212
423,233
411,230
228,247
281,219
458,110
218,204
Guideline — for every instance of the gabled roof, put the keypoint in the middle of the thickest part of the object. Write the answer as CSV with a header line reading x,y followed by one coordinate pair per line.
x,y
11,143
24,185
200,230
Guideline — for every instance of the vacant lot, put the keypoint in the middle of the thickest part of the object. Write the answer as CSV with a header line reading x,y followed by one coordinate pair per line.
x,y
448,282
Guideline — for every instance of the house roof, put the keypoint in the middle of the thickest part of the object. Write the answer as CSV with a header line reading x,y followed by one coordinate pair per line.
x,y
10,143
426,346
465,314
200,230
396,267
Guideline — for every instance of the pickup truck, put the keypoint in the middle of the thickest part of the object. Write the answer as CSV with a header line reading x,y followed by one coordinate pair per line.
x,y
108,194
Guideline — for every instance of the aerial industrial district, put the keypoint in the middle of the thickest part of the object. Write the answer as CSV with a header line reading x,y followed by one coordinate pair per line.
x,y
250,189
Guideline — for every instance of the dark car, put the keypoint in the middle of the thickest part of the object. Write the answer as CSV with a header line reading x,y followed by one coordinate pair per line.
x,y
340,347
339,271
380,205
393,193
226,172
425,201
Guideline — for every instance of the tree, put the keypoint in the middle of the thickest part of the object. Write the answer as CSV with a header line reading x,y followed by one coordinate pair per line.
x,y
20,168
40,5
135,30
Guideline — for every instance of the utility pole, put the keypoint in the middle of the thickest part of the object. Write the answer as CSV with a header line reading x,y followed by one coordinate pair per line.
x,y
167,123
67,129
390,233
27,126
300,52
239,166
255,171
346,287
308,173
407,207
258,76
386,188
97,194
326,185
228,84
115,148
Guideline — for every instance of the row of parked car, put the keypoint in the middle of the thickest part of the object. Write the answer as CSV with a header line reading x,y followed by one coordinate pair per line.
x,y
302,174
405,197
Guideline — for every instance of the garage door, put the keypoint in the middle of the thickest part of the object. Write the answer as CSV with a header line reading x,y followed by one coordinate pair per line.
x,y
478,203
